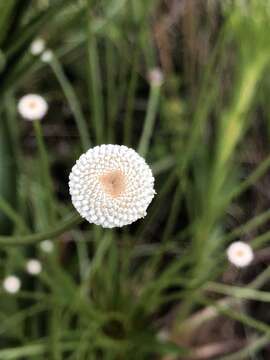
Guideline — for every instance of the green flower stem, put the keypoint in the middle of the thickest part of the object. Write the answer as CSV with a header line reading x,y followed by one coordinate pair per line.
x,y
253,177
130,103
12,214
67,224
163,165
112,92
94,82
259,241
149,119
238,316
238,292
248,226
45,171
172,218
73,102
211,312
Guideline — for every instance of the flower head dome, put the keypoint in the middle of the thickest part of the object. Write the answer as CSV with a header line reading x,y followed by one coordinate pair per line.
x,y
46,246
37,46
47,56
33,267
240,254
32,107
12,284
111,186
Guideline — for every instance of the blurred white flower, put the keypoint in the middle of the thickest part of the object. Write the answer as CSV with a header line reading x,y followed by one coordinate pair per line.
x,y
156,77
37,46
47,56
46,246
12,284
163,335
111,186
33,267
32,107
240,254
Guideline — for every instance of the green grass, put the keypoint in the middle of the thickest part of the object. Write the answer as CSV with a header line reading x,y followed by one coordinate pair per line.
x,y
107,294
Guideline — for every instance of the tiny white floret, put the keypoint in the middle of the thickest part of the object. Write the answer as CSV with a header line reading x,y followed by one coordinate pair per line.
x,y
32,107
156,77
46,246
111,186
12,284
47,56
33,267
240,254
37,46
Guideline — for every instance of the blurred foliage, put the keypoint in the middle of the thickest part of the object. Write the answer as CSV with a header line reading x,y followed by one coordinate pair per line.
x,y
113,294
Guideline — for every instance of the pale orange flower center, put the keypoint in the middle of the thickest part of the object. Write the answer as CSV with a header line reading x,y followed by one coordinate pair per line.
x,y
113,183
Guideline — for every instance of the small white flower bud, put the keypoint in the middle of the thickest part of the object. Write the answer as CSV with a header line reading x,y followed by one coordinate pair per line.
x,y
33,267
12,284
32,107
240,254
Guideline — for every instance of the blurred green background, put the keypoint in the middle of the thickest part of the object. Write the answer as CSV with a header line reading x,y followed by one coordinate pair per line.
x,y
162,287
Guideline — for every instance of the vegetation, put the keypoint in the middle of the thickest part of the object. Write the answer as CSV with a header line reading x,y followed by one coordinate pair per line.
x,y
161,288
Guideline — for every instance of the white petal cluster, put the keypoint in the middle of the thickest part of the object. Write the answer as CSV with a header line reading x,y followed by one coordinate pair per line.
x,y
240,254
12,284
47,56
33,267
32,107
47,246
37,46
111,186
156,77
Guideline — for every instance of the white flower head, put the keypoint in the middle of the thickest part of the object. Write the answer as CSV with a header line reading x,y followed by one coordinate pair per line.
x,y
156,77
240,254
33,267
111,186
12,284
37,46
32,107
47,246
47,56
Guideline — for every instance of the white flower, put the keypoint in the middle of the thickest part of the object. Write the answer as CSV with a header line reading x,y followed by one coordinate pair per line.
x,y
111,186
240,254
37,46
156,77
46,246
32,107
33,267
47,56
12,284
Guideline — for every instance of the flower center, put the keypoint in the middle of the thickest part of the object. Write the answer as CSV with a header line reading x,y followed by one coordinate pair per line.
x,y
113,183
240,253
32,104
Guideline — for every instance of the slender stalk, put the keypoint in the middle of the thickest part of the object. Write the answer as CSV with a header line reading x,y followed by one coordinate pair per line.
x,y
238,316
73,102
94,82
111,90
12,214
67,224
238,292
130,102
248,226
260,240
45,171
149,119
176,203
163,165
252,178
